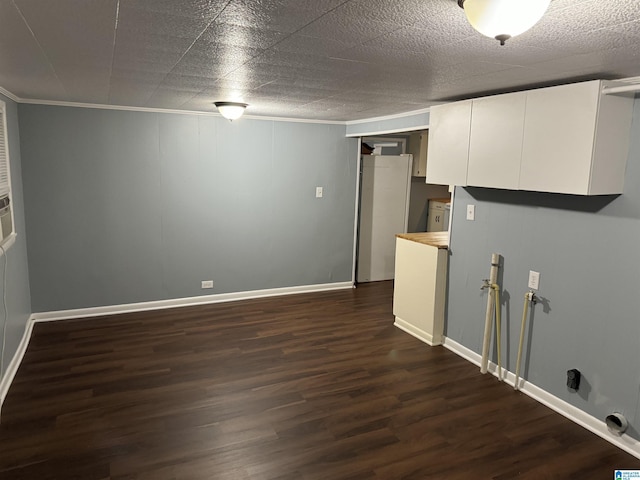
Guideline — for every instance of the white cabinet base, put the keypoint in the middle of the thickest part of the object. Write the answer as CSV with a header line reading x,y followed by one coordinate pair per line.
x,y
420,334
420,289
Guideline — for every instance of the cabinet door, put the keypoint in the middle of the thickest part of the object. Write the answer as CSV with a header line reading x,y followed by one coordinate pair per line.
x,y
559,131
448,151
495,146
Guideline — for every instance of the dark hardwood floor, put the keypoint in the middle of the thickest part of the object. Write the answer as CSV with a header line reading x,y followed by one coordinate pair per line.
x,y
312,386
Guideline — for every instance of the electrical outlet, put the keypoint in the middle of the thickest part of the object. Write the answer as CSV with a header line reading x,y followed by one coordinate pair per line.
x,y
207,284
534,279
318,192
471,212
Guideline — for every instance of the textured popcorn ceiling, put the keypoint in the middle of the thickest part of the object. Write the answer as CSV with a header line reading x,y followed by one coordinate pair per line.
x,y
316,59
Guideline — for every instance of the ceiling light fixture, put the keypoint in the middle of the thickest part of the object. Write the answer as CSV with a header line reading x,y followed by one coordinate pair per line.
x,y
503,19
231,110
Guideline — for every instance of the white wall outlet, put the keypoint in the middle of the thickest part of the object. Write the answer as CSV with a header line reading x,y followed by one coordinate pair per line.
x,y
471,212
318,192
534,279
207,284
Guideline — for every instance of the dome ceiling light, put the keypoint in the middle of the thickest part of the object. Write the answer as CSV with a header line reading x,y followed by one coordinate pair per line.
x,y
231,110
503,19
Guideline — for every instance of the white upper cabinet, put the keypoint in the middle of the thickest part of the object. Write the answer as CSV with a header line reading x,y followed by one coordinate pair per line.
x,y
567,139
576,140
495,147
448,151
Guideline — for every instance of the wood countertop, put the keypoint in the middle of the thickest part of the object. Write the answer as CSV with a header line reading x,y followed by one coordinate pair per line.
x,y
434,239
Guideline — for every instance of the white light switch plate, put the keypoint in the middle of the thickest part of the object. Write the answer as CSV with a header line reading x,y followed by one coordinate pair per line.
x,y
471,212
318,192
534,279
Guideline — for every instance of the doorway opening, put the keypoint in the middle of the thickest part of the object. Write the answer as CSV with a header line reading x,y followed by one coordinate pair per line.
x,y
394,198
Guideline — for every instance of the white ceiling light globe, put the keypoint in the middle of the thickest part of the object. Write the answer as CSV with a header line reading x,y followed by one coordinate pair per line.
x,y
503,19
231,110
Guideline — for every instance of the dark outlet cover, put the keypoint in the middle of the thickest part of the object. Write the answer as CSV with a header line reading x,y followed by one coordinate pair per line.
x,y
573,379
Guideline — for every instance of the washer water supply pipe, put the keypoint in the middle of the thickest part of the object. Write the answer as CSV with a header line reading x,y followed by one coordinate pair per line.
x,y
529,297
493,287
496,289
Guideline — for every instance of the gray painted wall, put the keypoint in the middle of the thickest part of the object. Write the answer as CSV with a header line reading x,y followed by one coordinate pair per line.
x,y
17,294
587,251
129,207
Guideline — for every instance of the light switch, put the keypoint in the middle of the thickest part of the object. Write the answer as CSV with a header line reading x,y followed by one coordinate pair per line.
x,y
471,212
534,279
318,192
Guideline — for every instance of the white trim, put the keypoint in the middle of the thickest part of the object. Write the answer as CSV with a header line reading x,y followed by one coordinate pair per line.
x,y
295,120
356,219
12,368
623,89
387,132
628,80
626,85
451,210
389,117
99,106
17,99
184,302
420,334
582,418
407,200
10,95
11,239
624,442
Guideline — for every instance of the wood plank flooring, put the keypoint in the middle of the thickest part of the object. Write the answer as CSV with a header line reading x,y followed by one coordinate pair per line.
x,y
312,386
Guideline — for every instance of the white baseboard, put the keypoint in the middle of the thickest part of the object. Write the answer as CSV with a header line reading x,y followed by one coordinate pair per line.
x,y
417,332
185,302
624,442
594,425
12,368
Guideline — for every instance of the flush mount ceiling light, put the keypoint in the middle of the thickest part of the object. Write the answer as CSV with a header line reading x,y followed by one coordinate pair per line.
x,y
231,110
503,19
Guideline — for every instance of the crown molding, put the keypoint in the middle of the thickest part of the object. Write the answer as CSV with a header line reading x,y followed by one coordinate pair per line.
x,y
388,117
387,131
17,99
10,95
100,106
